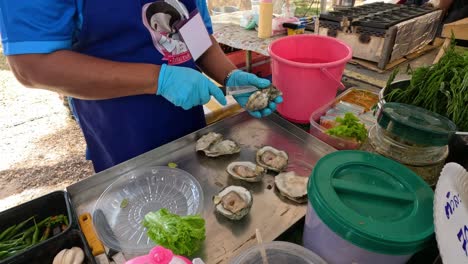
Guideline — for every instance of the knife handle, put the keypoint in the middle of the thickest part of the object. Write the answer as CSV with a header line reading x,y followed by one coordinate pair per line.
x,y
223,89
86,224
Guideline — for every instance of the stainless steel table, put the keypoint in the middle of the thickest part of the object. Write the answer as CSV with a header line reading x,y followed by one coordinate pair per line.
x,y
270,214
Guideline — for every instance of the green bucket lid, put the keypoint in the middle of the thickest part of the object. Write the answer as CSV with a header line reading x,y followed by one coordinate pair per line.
x,y
416,124
373,202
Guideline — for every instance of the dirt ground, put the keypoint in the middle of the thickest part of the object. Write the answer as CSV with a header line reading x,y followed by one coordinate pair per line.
x,y
41,147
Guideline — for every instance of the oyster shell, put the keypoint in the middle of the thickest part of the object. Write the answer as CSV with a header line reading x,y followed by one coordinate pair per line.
x,y
233,202
272,159
261,98
213,145
292,186
246,170
207,140
257,101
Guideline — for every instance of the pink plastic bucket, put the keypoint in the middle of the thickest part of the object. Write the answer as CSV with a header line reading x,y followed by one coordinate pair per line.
x,y
308,70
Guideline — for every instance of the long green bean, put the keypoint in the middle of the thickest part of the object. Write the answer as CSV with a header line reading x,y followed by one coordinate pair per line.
x,y
7,232
17,238
35,238
441,88
19,226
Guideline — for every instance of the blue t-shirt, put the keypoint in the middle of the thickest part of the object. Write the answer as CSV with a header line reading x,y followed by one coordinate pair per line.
x,y
45,26
141,31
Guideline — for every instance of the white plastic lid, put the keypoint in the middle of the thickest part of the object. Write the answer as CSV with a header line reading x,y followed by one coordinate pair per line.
x,y
278,252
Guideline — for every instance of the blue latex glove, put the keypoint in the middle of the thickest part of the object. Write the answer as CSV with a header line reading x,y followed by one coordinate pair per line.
x,y
241,78
186,87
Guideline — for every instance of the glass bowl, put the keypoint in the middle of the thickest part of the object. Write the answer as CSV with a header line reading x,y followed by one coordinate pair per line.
x,y
119,212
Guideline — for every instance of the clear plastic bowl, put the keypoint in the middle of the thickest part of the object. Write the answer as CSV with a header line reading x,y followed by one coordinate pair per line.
x,y
278,252
127,200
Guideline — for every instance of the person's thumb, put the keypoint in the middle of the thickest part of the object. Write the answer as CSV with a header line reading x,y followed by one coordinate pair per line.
x,y
217,93
258,82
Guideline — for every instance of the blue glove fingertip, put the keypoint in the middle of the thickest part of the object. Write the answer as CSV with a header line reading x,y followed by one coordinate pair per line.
x,y
263,83
278,100
272,106
217,94
255,114
266,112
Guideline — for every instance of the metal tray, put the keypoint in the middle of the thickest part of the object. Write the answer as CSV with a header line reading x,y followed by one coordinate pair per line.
x,y
270,214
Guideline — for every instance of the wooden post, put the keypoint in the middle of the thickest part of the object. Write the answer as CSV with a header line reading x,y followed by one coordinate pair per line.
x,y
459,29
442,50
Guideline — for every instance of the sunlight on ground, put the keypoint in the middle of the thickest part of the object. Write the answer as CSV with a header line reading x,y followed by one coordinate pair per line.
x,y
43,108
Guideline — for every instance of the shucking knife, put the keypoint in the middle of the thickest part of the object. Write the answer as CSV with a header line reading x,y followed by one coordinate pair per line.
x,y
101,221
234,90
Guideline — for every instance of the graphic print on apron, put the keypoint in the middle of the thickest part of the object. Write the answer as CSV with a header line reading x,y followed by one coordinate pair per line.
x,y
160,18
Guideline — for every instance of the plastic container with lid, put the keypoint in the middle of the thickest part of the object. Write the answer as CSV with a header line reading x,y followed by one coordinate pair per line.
x,y
278,252
366,209
413,136
362,98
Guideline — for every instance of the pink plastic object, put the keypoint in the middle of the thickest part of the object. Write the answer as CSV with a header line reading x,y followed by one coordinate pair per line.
x,y
277,24
159,255
307,69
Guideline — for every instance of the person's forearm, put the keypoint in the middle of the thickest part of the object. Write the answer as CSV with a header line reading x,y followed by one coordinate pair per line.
x,y
215,64
84,77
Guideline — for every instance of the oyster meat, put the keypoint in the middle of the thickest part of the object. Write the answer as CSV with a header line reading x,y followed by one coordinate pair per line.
x,y
213,145
233,202
245,170
261,98
272,159
292,186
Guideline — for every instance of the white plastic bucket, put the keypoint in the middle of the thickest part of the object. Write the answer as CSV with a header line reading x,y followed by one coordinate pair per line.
x,y
333,249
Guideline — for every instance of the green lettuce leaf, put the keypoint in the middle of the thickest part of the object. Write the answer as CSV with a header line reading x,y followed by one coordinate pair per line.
x,y
349,127
184,235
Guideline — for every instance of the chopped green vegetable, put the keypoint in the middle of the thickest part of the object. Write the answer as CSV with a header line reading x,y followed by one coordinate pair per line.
x,y
441,88
124,203
183,235
349,127
172,165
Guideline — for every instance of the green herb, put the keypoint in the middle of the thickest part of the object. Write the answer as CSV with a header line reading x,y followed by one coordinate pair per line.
x,y
441,88
183,235
172,165
124,203
349,127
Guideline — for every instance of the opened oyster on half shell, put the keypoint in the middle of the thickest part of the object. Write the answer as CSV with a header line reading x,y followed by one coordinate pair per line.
x,y
292,186
233,202
213,145
261,98
246,171
272,159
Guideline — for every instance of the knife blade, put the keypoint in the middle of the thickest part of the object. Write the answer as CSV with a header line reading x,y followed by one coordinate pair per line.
x,y
235,90
97,248
101,221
